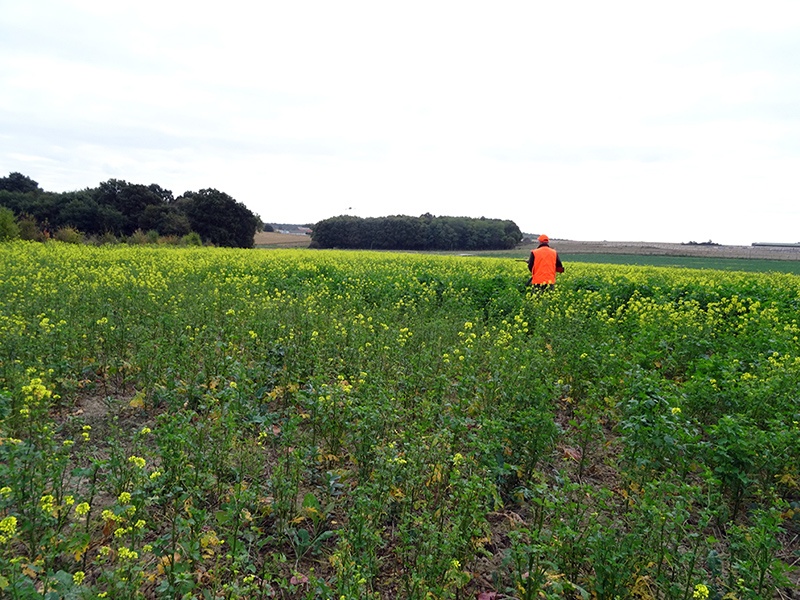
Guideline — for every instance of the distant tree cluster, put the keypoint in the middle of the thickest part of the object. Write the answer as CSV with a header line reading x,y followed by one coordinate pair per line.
x,y
120,209
426,232
708,243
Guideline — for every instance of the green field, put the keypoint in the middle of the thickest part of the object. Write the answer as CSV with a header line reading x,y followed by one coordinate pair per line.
x,y
690,262
683,262
216,423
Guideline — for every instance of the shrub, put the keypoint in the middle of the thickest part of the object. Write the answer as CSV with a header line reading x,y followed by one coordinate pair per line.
x,y
29,229
9,230
103,240
69,235
191,239
137,238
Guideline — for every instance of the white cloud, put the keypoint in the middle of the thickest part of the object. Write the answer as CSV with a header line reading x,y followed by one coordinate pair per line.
x,y
614,120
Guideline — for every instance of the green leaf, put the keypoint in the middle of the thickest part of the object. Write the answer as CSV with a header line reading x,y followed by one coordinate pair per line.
x,y
310,501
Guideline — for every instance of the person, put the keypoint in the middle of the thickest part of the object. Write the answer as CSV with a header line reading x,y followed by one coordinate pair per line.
x,y
544,263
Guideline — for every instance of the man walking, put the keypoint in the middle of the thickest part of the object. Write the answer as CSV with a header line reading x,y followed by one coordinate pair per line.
x,y
544,263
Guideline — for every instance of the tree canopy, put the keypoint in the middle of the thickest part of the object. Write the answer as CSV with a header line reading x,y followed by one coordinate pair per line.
x,y
17,182
121,208
427,232
219,218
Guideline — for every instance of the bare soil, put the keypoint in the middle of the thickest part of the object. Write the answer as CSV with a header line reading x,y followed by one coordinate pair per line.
x,y
665,249
273,239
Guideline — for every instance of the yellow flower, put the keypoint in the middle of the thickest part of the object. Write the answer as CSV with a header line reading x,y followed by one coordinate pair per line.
x,y
145,430
8,528
125,552
78,577
5,491
124,498
47,503
676,410
107,515
138,461
700,592
82,509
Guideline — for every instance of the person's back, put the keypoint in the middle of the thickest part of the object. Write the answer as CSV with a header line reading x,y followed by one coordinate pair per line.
x,y
544,263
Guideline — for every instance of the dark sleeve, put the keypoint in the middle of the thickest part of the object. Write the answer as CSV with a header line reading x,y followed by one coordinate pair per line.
x,y
530,262
559,266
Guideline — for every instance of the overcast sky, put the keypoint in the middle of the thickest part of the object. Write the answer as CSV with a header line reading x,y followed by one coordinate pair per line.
x,y
639,121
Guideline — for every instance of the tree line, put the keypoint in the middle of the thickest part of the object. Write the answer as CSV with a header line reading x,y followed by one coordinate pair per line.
x,y
426,232
121,209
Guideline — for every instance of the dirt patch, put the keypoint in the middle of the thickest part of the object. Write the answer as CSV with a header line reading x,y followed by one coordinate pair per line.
x,y
91,406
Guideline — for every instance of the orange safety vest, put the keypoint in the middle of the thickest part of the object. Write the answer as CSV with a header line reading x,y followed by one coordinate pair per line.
x,y
544,265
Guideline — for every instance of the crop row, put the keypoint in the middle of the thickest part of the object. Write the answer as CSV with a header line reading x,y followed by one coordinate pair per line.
x,y
211,423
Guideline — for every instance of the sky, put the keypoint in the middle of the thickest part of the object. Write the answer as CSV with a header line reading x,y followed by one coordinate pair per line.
x,y
622,121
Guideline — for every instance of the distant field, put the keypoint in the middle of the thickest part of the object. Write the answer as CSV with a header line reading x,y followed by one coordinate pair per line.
x,y
725,258
271,239
690,262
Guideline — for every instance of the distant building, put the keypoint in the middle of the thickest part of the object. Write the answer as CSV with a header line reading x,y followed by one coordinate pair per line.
x,y
777,244
293,229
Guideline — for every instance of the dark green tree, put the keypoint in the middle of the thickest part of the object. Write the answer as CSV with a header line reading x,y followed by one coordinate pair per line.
x,y
219,219
17,182
116,207
340,232
166,219
81,211
399,232
130,200
42,206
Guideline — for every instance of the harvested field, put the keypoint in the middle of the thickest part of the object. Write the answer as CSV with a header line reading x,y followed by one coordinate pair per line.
x,y
272,239
665,249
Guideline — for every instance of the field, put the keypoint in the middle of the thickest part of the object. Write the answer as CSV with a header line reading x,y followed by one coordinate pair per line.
x,y
726,258
273,239
215,423
698,256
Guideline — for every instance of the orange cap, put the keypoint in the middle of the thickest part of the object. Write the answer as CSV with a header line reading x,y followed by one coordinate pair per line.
x,y
543,239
